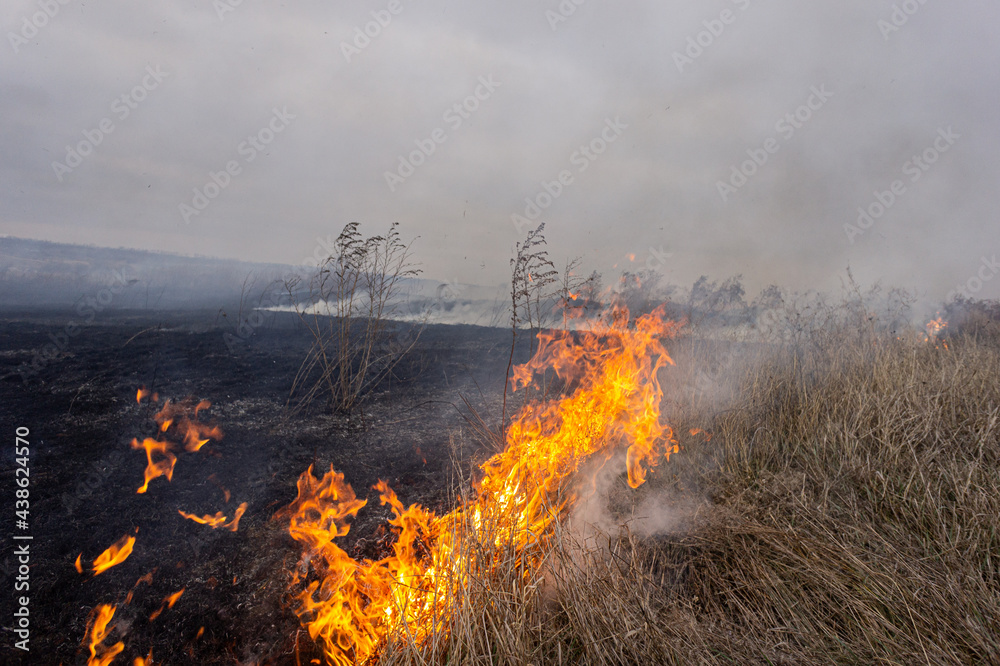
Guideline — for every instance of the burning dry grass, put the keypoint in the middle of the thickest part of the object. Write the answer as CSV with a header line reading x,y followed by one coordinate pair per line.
x,y
851,511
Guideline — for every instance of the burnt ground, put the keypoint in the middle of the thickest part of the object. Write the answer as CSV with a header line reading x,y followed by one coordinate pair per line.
x,y
82,414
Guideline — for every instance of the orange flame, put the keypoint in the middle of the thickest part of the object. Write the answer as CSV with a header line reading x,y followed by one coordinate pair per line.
x,y
218,520
168,602
162,467
350,608
183,418
934,328
100,655
141,393
148,661
147,579
184,415
115,555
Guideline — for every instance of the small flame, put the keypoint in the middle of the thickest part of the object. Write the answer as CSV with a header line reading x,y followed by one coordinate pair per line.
x,y
162,467
218,520
168,602
182,418
147,579
101,655
79,567
934,328
140,394
115,555
184,415
148,661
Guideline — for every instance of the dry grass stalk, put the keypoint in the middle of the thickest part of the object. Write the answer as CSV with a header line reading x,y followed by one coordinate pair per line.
x,y
852,515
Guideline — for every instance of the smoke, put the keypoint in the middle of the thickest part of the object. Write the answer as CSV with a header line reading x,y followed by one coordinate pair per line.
x,y
649,197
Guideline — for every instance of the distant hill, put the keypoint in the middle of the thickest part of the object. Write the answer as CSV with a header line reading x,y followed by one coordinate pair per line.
x,y
42,274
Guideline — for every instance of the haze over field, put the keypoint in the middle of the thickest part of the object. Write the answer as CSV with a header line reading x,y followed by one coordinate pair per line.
x,y
736,136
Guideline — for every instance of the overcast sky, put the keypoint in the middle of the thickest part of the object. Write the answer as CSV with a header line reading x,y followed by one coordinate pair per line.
x,y
668,97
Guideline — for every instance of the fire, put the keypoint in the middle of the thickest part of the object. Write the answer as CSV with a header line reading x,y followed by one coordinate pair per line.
x,y
168,602
934,328
178,421
101,655
219,520
182,417
113,556
352,608
162,467
147,579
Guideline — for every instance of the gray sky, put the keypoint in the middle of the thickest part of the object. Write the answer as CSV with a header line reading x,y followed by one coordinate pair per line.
x,y
887,94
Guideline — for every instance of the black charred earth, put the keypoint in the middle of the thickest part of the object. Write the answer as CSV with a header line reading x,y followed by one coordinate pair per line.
x,y
73,385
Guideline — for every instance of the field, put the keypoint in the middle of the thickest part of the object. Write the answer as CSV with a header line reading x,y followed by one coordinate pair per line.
x,y
834,499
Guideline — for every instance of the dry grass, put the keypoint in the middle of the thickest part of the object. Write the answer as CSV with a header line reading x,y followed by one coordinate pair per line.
x,y
850,504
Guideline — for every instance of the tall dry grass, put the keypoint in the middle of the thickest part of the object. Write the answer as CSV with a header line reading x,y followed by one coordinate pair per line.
x,y
848,512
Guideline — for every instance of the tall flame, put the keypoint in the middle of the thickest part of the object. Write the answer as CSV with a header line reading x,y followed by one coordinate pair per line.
x,y
101,655
350,608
